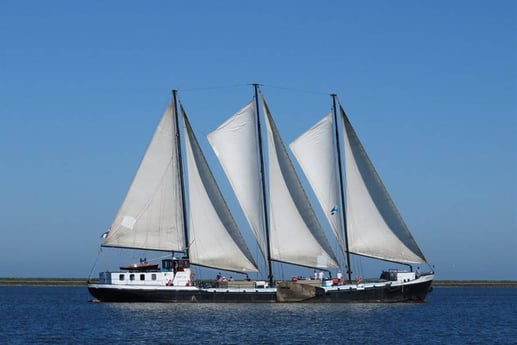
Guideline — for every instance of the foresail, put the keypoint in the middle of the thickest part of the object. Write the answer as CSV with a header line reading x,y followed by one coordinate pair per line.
x,y
296,235
215,240
315,151
235,145
374,225
150,216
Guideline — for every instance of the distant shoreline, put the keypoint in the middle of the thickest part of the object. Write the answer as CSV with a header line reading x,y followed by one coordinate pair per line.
x,y
83,282
475,283
43,281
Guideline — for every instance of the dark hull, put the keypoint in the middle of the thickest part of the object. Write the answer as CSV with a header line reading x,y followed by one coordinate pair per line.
x,y
287,292
180,296
386,294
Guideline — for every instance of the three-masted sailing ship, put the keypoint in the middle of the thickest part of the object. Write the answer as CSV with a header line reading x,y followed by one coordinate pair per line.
x,y
167,211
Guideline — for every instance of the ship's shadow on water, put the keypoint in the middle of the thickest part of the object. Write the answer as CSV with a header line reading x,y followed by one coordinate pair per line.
x,y
64,315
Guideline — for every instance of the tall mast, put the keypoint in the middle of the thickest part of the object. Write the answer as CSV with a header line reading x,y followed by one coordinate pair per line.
x,y
180,166
262,178
341,189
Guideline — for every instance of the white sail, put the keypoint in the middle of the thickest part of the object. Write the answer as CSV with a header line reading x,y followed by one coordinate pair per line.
x,y
374,226
150,216
296,235
235,145
315,151
215,240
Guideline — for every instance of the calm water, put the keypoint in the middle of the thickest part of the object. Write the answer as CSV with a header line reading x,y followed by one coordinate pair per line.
x,y
63,315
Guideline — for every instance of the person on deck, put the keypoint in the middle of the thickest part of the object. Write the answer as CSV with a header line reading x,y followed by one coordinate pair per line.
x,y
339,277
218,279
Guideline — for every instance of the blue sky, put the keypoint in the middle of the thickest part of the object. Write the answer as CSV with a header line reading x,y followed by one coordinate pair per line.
x,y
429,86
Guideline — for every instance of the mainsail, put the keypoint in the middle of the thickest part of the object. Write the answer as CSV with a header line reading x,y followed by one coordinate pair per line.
x,y
315,151
235,145
150,216
295,233
374,225
215,240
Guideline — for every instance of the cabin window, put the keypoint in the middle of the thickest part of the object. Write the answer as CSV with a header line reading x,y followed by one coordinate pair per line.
x,y
121,277
153,276
142,277
167,264
131,277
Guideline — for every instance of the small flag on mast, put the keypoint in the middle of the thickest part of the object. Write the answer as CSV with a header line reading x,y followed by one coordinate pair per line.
x,y
106,234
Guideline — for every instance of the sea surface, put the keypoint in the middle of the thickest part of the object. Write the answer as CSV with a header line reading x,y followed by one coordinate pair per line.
x,y
64,315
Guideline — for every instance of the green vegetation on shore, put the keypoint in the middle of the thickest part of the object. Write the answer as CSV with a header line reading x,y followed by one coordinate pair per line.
x,y
475,283
83,281
43,281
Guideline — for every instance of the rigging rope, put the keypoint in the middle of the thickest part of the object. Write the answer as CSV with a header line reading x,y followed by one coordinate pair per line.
x,y
229,86
95,263
212,87
296,90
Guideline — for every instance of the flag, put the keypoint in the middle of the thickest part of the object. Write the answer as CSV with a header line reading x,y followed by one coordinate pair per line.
x,y
106,234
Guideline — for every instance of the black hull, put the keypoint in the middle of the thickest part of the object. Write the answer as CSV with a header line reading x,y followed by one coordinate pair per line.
x,y
179,296
413,293
286,293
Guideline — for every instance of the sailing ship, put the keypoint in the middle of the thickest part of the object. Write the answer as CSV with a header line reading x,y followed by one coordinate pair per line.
x,y
155,215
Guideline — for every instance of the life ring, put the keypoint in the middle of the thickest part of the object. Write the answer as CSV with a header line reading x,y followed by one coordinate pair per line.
x,y
359,279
